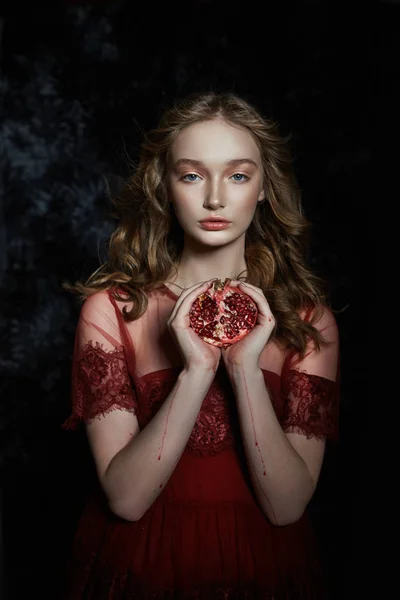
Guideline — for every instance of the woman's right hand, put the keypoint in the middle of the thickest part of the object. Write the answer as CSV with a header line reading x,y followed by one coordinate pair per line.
x,y
195,352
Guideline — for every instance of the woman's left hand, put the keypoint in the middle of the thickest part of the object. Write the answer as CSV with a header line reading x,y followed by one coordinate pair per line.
x,y
247,351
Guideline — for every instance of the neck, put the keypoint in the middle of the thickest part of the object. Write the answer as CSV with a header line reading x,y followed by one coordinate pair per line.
x,y
200,264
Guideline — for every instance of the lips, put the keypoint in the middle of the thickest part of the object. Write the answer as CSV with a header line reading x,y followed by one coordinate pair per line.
x,y
211,220
214,225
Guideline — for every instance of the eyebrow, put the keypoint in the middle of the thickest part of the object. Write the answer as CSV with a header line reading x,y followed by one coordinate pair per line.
x,y
230,163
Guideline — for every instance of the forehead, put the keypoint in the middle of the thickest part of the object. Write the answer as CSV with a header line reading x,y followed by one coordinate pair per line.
x,y
214,140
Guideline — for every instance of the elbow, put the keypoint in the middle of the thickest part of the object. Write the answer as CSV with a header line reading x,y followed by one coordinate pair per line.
x,y
122,507
289,518
123,512
282,522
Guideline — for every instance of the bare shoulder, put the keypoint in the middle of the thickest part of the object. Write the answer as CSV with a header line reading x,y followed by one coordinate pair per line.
x,y
99,301
323,319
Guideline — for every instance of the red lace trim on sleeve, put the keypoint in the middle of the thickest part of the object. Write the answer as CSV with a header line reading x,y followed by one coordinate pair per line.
x,y
313,406
100,384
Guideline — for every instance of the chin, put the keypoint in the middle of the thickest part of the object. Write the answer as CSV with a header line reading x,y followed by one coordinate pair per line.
x,y
216,241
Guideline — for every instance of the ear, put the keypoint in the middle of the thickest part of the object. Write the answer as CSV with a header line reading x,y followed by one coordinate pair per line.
x,y
261,196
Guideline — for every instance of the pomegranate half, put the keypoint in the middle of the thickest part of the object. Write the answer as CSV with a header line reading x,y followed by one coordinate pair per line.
x,y
223,315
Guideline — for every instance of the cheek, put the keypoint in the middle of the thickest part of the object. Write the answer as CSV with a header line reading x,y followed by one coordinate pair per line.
x,y
184,204
247,197
185,197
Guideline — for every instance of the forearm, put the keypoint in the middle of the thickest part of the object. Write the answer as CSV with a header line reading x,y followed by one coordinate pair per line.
x,y
139,472
281,479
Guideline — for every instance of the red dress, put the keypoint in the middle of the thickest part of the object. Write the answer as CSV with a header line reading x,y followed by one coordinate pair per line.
x,y
205,536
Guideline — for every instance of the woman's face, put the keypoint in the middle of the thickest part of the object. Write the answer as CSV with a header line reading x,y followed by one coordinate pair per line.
x,y
215,171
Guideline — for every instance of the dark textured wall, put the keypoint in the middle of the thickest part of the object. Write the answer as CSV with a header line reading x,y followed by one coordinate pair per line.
x,y
80,81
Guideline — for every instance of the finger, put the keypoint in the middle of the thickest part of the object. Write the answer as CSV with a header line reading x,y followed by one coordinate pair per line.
x,y
259,298
245,286
249,285
189,295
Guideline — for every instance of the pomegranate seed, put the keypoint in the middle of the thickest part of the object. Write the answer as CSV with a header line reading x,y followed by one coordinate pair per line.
x,y
223,315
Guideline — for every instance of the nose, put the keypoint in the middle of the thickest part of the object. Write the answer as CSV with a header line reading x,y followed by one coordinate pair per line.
x,y
214,196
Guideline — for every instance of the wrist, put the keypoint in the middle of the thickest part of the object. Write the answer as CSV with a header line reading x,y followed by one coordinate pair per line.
x,y
199,372
239,372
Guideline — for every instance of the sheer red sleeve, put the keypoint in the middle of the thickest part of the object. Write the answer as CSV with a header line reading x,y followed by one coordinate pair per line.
x,y
311,386
100,378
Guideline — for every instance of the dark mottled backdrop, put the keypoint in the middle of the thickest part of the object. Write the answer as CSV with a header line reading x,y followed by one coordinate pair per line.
x,y
80,81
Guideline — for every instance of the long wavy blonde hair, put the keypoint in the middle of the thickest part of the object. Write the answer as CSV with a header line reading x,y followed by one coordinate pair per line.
x,y
145,248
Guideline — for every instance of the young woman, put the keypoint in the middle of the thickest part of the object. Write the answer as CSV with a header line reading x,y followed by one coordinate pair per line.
x,y
206,458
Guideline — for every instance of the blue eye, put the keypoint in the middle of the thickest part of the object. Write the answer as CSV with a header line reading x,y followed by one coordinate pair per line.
x,y
239,177
189,177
